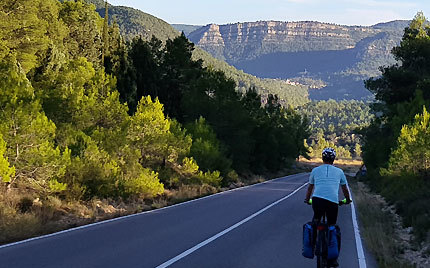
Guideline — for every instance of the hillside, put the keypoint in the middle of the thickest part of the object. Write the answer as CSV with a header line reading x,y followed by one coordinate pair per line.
x,y
341,56
133,22
187,29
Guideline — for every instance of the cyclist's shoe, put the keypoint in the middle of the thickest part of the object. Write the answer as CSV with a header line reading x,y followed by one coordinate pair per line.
x,y
332,263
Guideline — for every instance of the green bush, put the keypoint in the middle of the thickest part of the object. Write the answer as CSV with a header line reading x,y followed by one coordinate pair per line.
x,y
206,148
146,184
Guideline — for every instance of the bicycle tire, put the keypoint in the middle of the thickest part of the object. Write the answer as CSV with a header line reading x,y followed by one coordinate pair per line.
x,y
321,262
321,250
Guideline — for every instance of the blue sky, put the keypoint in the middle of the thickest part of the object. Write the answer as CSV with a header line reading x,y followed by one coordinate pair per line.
x,y
348,12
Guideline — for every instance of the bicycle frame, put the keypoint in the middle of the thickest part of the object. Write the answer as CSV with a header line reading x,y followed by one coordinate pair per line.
x,y
321,242
321,238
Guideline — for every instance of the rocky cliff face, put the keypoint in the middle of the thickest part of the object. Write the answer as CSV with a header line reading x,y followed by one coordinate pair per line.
x,y
245,41
340,56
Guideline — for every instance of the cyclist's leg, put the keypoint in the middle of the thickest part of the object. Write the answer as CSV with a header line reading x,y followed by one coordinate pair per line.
x,y
318,207
332,211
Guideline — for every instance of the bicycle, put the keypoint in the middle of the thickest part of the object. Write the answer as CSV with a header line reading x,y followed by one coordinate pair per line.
x,y
322,238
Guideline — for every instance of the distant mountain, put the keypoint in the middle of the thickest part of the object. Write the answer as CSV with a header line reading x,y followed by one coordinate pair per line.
x,y
396,24
133,22
340,56
97,3
187,29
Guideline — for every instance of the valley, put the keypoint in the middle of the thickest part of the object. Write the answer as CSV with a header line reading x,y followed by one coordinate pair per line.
x,y
341,56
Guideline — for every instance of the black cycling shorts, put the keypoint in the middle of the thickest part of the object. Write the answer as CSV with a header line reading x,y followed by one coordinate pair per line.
x,y
323,206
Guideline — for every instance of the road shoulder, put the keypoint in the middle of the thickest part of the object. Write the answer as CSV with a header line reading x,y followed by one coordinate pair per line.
x,y
382,234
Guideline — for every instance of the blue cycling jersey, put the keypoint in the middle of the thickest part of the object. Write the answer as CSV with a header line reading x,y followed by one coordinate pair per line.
x,y
327,179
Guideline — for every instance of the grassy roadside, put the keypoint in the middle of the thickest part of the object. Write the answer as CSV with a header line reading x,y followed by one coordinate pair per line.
x,y
380,227
23,217
347,165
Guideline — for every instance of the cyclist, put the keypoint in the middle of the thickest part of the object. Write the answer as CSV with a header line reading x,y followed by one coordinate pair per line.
x,y
324,183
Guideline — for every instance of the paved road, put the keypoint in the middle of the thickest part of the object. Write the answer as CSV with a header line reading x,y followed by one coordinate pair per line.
x,y
271,238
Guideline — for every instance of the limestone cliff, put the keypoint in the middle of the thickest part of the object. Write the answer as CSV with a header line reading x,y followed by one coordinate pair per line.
x,y
340,56
245,41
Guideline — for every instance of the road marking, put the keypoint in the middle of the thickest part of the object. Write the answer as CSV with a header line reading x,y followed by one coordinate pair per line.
x,y
218,235
141,213
358,243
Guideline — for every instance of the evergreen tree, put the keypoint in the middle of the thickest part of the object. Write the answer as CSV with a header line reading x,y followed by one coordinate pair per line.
x,y
145,77
412,154
6,171
213,97
105,33
85,38
357,150
28,133
402,90
29,29
179,70
206,148
148,132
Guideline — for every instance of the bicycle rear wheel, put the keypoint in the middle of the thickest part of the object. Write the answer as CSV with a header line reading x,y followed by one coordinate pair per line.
x,y
321,262
321,250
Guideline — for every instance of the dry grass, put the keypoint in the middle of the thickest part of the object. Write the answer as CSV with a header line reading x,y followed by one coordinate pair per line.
x,y
21,217
350,166
377,227
182,194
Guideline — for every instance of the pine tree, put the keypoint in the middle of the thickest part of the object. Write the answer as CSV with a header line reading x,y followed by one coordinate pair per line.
x,y
6,171
357,150
207,149
402,90
30,28
412,154
28,133
85,38
105,34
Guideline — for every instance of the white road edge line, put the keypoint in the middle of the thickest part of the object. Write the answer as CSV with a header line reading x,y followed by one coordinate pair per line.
x,y
209,240
358,243
138,214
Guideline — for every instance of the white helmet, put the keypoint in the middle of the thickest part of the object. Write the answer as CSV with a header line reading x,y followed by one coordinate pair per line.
x,y
329,153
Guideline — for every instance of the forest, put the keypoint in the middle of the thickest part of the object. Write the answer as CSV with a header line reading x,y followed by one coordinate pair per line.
x,y
396,147
336,124
86,115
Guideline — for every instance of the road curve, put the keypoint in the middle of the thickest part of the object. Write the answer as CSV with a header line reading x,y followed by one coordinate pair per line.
x,y
255,226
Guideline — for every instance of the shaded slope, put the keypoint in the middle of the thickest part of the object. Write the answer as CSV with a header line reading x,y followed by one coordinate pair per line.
x,y
187,29
133,22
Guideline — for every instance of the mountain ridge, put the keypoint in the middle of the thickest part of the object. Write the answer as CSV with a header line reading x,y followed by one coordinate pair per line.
x,y
277,36
340,55
186,28
311,21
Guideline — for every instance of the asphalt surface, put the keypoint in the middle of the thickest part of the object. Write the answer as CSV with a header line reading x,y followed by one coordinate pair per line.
x,y
272,238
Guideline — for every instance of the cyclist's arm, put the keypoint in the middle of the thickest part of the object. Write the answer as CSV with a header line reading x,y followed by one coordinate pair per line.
x,y
309,193
311,186
346,192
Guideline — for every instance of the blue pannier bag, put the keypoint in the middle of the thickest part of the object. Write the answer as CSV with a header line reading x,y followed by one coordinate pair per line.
x,y
308,249
333,246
